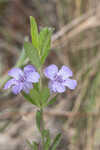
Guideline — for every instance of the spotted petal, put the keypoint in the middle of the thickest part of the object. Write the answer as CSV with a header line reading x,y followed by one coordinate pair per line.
x,y
65,72
70,83
16,73
51,71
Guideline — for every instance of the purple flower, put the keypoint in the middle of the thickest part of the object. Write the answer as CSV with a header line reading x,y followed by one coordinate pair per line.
x,y
59,80
22,79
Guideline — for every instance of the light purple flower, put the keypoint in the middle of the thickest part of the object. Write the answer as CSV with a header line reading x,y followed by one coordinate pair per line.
x,y
22,79
59,80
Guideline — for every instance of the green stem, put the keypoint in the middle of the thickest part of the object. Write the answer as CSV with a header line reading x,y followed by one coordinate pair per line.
x,y
41,110
40,79
42,129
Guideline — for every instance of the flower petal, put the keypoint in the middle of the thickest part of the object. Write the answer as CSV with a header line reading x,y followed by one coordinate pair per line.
x,y
65,72
17,88
50,86
10,83
33,77
29,68
56,87
16,73
27,86
51,71
70,83
26,90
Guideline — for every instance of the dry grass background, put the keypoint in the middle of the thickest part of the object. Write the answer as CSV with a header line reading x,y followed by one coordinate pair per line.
x,y
75,43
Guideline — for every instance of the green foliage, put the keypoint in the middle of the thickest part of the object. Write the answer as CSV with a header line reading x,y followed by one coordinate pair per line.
x,y
38,98
56,142
46,133
47,139
33,97
38,119
27,97
21,59
45,42
44,96
32,53
52,101
41,42
34,32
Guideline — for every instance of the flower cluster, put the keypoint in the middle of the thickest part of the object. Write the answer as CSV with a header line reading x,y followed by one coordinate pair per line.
x,y
24,79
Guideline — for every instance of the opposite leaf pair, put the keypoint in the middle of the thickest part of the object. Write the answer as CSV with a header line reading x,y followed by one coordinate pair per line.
x,y
23,80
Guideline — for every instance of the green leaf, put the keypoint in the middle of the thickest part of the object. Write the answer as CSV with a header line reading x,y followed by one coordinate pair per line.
x,y
45,43
21,59
28,97
42,38
52,101
48,140
34,32
32,53
56,142
36,86
45,133
38,120
45,95
47,144
35,97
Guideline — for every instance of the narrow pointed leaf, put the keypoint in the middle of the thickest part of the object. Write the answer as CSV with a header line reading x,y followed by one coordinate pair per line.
x,y
35,96
56,142
21,59
45,95
34,32
28,97
45,43
42,38
32,53
48,140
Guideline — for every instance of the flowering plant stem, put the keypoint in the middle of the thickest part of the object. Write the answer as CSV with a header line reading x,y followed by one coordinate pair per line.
x,y
41,111
42,128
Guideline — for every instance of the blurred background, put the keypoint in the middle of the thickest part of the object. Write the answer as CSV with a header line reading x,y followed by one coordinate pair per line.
x,y
76,43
